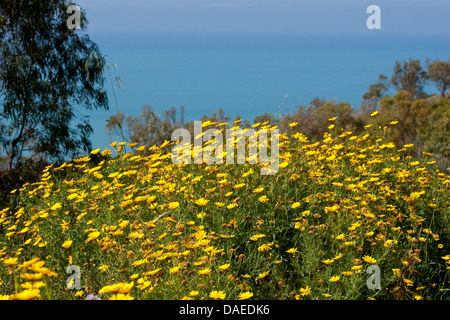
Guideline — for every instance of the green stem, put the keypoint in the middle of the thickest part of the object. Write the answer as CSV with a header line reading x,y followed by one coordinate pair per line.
x,y
117,105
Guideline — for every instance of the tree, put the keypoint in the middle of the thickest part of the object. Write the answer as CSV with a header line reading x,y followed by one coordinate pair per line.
x,y
412,116
114,125
148,128
409,76
48,72
376,92
171,114
439,74
314,120
267,117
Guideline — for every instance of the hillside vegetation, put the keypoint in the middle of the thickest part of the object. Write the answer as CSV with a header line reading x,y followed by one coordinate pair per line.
x,y
140,227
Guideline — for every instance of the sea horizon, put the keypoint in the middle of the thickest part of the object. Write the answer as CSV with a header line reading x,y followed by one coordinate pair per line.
x,y
248,75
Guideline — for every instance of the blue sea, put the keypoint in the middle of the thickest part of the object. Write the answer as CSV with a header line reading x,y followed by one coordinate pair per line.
x,y
248,75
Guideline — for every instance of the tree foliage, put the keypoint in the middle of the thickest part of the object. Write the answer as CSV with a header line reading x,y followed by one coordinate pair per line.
x,y
439,74
149,128
409,76
48,73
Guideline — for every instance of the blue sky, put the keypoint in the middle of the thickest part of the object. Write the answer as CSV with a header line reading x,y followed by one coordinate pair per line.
x,y
264,16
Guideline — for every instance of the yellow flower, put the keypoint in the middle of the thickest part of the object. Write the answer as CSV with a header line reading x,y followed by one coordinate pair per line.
x,y
224,266
92,236
79,293
200,215
106,152
369,259
258,190
204,271
193,293
96,151
123,224
292,250
306,291
217,295
293,124
373,114
357,269
284,164
10,261
265,247
408,282
103,268
67,244
152,272
72,196
245,295
56,206
295,205
219,204
24,230
263,199
32,285
341,237
256,237
28,294
335,278
174,205
231,206
340,255
118,287
174,270
397,272
305,213
121,296
201,202
32,276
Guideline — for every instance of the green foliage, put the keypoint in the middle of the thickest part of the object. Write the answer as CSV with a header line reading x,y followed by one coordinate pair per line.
x,y
26,171
435,134
409,76
149,128
45,74
439,74
314,120
140,223
412,117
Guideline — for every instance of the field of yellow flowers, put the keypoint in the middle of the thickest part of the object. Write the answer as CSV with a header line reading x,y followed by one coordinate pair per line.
x,y
140,227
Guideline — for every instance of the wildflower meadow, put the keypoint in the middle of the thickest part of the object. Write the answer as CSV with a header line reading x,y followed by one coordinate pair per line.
x,y
129,223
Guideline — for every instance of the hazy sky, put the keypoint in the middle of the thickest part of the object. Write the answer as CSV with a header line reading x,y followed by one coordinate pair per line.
x,y
264,16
